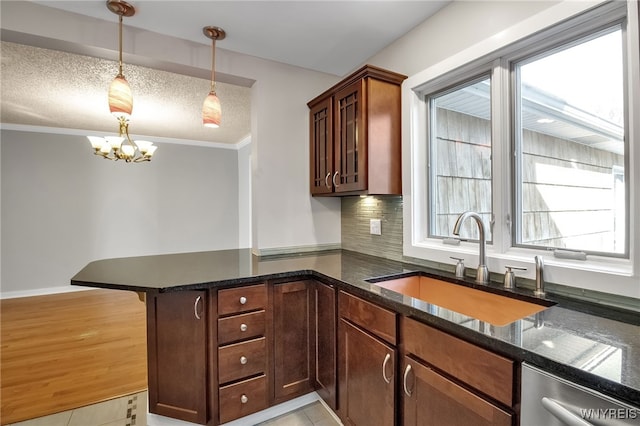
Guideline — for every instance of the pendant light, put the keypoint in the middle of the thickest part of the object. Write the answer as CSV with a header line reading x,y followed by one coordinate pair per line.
x,y
211,110
121,104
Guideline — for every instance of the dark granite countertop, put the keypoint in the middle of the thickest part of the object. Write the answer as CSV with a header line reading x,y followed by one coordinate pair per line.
x,y
587,344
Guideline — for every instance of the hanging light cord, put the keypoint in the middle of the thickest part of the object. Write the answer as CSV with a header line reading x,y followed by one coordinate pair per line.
x,y
120,46
213,65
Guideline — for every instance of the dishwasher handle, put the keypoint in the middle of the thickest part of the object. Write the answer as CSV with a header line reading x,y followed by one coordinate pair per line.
x,y
562,414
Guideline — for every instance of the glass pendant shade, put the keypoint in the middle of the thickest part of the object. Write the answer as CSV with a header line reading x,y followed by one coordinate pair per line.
x,y
120,98
211,111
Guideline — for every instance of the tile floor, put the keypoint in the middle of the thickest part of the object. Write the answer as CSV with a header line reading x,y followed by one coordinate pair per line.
x,y
131,410
128,410
314,414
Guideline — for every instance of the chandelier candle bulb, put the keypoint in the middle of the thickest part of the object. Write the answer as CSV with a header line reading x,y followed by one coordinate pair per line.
x,y
114,141
128,150
150,151
143,146
96,142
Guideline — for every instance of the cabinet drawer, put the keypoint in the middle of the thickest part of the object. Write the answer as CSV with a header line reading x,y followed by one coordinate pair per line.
x,y
241,327
241,360
485,371
373,318
431,399
242,299
243,398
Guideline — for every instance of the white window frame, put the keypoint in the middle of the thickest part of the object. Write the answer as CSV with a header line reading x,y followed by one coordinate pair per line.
x,y
598,273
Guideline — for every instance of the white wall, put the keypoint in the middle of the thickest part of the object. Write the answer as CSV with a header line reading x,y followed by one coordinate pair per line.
x,y
285,214
63,207
244,194
455,28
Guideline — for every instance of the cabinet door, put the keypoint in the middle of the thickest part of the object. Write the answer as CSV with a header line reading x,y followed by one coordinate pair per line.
x,y
430,399
325,343
177,354
292,313
367,378
321,147
350,156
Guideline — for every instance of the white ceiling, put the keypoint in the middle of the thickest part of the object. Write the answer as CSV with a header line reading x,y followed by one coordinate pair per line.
x,y
329,36
334,37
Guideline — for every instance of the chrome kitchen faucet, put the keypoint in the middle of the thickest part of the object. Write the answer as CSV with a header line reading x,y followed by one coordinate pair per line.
x,y
482,274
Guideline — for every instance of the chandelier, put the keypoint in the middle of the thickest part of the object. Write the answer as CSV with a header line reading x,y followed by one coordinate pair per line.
x,y
121,104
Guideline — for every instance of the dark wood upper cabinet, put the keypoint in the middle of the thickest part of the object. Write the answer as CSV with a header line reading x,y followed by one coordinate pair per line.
x,y
177,355
293,310
354,129
321,136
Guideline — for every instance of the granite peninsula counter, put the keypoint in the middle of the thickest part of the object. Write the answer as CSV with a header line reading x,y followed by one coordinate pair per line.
x,y
583,343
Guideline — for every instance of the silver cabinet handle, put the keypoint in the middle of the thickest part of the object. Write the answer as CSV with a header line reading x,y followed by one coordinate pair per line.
x,y
333,179
384,368
243,327
243,300
243,360
407,370
195,307
326,180
244,399
562,414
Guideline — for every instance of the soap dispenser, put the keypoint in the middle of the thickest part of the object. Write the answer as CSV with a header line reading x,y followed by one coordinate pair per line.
x,y
510,276
459,267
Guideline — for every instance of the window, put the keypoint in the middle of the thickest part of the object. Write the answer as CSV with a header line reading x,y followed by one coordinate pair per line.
x,y
565,117
569,143
559,168
460,157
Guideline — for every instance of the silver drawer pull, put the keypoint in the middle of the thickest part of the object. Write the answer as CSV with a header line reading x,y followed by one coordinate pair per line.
x,y
243,300
243,327
335,175
243,360
384,368
404,380
326,180
244,399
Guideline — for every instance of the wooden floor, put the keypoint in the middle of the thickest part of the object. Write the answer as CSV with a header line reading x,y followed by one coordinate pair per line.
x,y
65,351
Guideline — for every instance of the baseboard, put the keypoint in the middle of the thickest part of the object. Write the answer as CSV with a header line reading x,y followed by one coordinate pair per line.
x,y
252,419
42,291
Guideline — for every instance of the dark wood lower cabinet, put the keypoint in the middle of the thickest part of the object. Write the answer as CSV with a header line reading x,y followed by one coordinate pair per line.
x,y
367,388
177,355
293,309
243,398
325,343
284,340
430,399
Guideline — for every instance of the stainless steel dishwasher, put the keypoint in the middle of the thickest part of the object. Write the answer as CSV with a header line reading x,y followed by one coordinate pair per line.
x,y
548,400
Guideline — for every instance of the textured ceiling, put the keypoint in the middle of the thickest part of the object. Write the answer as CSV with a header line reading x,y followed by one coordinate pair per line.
x,y
51,88
57,89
